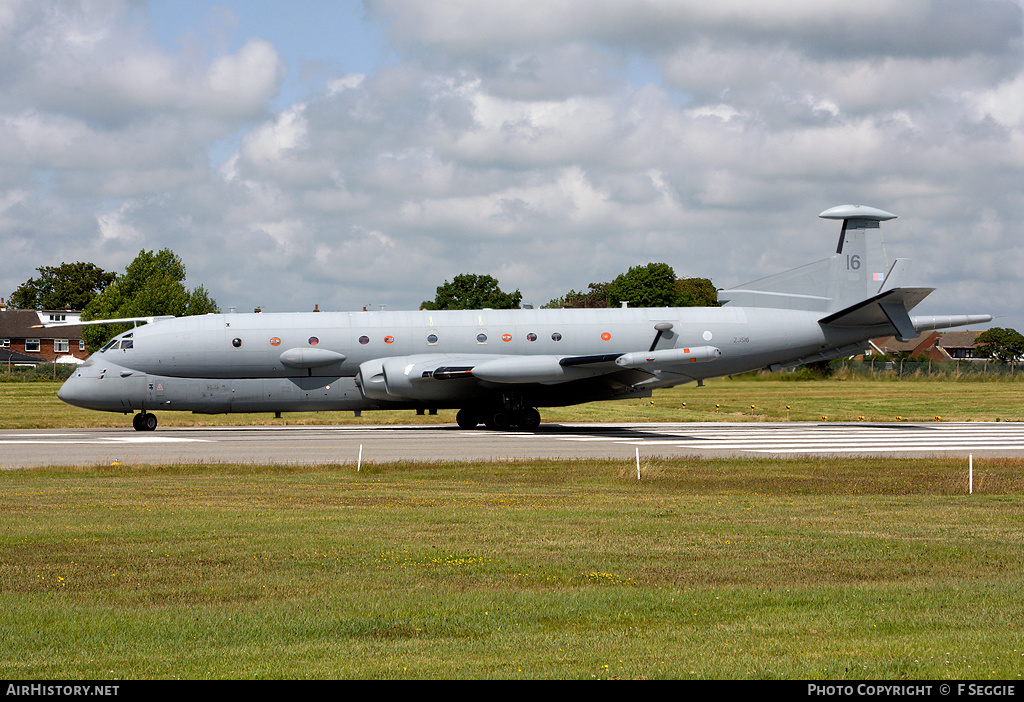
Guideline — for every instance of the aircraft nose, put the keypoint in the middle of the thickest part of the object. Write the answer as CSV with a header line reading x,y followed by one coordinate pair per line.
x,y
88,390
72,391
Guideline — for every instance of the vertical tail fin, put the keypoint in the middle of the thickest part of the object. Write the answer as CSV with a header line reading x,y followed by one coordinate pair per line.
x,y
862,268
857,271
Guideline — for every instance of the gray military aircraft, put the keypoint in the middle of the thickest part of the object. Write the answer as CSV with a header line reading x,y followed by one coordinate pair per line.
x,y
498,366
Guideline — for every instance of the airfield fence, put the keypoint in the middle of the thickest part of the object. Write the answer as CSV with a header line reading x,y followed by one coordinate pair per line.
x,y
895,369
43,371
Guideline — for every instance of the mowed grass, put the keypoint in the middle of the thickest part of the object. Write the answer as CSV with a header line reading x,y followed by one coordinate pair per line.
x,y
820,569
725,568
32,405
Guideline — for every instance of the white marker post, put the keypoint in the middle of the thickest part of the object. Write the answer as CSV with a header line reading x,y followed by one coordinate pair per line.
x,y
638,463
359,464
970,474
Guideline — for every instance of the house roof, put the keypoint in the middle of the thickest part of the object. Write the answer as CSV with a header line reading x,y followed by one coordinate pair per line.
x,y
959,339
24,324
8,356
890,344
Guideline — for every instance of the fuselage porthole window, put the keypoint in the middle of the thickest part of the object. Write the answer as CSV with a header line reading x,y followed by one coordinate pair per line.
x,y
364,340
556,336
481,338
531,337
431,339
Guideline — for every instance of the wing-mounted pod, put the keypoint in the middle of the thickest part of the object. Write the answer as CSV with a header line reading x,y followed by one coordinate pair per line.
x,y
668,357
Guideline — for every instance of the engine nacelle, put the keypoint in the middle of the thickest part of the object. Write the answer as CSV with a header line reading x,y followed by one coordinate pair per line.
x,y
411,378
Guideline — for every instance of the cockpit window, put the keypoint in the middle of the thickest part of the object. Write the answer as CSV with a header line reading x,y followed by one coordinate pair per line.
x,y
120,342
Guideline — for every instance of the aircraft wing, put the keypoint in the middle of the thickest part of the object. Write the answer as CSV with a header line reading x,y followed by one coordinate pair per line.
x,y
122,320
447,376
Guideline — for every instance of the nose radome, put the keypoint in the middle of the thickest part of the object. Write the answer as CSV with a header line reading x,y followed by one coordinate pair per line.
x,y
70,391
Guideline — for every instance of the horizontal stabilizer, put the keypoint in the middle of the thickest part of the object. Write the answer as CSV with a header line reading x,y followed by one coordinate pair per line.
x,y
889,308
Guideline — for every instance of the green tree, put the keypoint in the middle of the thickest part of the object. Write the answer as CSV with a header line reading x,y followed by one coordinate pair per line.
x,y
696,292
1000,344
152,285
468,291
67,286
653,285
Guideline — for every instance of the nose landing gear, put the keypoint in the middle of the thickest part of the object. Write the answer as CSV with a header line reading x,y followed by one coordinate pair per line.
x,y
144,421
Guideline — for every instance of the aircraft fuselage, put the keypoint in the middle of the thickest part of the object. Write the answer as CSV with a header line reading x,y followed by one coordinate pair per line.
x,y
312,361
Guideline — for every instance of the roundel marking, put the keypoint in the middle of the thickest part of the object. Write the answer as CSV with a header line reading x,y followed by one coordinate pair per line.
x,y
707,336
606,336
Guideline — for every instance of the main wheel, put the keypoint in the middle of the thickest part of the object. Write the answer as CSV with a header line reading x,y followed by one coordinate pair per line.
x,y
527,419
499,421
467,419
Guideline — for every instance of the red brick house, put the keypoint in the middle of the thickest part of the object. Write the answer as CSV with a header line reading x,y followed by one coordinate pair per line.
x,y
24,341
948,346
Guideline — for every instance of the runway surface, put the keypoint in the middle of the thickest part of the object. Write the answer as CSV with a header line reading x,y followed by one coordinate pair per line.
x,y
344,444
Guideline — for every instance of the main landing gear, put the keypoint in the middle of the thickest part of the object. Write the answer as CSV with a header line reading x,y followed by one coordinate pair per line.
x,y
523,418
144,421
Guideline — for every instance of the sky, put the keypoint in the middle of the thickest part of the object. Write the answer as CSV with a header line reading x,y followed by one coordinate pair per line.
x,y
349,154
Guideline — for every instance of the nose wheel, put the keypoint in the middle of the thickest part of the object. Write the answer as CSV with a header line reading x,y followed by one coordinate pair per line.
x,y
144,421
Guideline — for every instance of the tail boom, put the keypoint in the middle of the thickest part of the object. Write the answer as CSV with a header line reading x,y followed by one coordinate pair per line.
x,y
923,323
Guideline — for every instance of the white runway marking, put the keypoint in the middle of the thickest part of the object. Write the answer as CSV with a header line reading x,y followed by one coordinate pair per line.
x,y
74,439
823,438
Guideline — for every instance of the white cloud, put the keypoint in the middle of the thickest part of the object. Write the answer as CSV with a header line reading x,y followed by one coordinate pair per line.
x,y
507,138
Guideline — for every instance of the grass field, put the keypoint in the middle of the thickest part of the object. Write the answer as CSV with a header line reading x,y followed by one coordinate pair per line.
x,y
25,405
795,569
710,569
